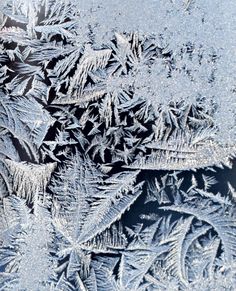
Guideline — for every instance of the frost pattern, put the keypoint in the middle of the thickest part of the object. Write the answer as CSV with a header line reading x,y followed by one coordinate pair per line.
x,y
117,119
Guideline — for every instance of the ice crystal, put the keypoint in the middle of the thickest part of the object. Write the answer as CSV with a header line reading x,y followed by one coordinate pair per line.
x,y
117,124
